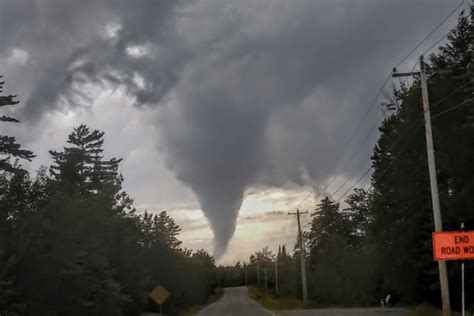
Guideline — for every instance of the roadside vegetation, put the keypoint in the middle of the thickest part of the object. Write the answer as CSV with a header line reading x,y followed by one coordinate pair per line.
x,y
430,311
72,243
270,301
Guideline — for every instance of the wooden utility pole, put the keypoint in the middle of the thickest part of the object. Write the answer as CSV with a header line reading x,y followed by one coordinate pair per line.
x,y
304,286
443,275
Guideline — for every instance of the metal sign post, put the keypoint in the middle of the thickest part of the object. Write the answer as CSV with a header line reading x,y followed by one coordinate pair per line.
x,y
463,295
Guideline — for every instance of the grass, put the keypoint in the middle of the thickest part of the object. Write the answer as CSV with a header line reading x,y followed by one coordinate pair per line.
x,y
429,311
424,311
270,302
274,303
193,310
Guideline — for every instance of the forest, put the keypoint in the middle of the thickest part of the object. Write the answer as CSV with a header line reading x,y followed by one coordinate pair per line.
x,y
72,243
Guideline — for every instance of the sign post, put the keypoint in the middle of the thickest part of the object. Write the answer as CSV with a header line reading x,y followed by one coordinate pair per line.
x,y
159,295
455,246
463,296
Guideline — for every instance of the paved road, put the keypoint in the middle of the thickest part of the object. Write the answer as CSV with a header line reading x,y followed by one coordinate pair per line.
x,y
235,302
345,312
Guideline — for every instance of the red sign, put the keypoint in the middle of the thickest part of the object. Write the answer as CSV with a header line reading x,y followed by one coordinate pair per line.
x,y
453,245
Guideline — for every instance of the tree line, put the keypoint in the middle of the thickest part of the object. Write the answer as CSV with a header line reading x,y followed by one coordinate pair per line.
x,y
378,241
72,243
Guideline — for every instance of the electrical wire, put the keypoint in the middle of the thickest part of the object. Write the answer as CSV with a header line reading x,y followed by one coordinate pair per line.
x,y
403,83
452,108
356,130
359,125
449,95
397,156
393,145
435,44
429,34
433,117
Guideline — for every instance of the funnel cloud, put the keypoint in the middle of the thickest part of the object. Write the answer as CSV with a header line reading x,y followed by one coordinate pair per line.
x,y
247,93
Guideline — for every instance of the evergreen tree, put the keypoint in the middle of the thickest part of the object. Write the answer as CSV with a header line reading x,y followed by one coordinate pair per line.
x,y
82,167
9,148
327,215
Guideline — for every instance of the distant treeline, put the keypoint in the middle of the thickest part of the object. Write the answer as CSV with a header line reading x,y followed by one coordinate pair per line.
x,y
71,242
378,241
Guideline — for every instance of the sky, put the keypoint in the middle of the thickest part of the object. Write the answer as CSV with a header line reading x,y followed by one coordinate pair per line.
x,y
227,114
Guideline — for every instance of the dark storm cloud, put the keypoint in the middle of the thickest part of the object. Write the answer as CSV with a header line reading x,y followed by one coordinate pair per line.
x,y
86,41
262,92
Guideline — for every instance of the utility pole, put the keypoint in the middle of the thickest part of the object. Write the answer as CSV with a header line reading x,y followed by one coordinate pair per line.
x,y
266,286
258,276
276,275
443,276
246,277
304,287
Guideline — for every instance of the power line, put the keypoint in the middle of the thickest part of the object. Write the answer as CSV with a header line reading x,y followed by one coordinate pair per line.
x,y
402,136
394,160
354,173
384,171
343,167
452,108
307,197
450,94
435,44
429,34
339,217
370,108
394,144
355,183
359,125
412,69
356,130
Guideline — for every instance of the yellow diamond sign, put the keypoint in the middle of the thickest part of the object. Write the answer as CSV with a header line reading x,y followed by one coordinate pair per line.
x,y
159,295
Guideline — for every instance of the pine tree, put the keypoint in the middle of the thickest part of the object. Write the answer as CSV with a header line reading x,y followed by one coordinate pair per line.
x,y
160,230
325,220
9,148
82,167
357,216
